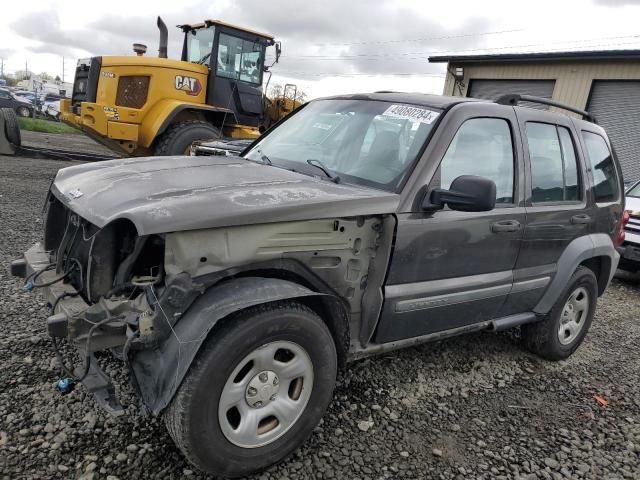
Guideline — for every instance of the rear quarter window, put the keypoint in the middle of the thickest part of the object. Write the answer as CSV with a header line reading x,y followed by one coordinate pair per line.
x,y
603,170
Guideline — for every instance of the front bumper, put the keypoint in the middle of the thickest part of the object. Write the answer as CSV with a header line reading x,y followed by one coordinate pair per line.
x,y
68,320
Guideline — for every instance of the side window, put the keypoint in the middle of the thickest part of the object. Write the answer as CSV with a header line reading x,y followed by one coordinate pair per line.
x,y
602,168
554,172
481,147
4,94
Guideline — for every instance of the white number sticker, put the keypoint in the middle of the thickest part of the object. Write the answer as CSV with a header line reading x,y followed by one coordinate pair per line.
x,y
406,112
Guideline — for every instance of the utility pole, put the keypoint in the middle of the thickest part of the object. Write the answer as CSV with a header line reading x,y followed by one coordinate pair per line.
x,y
2,67
63,69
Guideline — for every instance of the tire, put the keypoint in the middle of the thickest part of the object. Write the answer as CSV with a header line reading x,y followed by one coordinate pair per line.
x,y
236,357
546,338
11,127
177,139
23,111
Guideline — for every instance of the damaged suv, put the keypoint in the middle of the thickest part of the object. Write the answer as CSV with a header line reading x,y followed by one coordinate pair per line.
x,y
235,287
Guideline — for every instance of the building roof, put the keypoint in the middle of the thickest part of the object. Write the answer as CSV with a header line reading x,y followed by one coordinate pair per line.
x,y
540,56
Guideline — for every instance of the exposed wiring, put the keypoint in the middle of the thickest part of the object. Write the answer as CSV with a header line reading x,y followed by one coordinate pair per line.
x,y
31,284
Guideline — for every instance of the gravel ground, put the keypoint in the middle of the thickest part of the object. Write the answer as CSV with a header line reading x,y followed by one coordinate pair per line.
x,y
472,407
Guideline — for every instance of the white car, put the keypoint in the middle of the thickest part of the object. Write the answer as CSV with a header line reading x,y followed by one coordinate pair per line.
x,y
630,249
52,109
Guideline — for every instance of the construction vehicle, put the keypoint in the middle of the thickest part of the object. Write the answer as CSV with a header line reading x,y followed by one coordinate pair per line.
x,y
140,106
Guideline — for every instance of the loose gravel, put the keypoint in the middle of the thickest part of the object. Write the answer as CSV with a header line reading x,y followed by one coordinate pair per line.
x,y
472,407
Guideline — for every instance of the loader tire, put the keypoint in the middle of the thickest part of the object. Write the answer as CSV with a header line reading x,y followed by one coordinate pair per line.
x,y
11,127
177,139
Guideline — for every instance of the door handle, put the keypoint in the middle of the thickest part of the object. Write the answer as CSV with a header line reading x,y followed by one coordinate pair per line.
x,y
581,219
505,226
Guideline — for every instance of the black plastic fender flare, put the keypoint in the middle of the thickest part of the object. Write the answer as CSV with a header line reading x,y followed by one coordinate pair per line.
x,y
159,372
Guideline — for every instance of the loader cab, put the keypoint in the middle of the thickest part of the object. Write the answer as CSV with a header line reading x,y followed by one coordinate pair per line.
x,y
236,60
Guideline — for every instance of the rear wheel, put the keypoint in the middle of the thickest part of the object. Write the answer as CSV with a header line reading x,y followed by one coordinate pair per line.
x,y
11,126
564,328
177,139
256,391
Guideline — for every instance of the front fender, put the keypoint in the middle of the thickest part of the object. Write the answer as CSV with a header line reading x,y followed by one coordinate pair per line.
x,y
160,371
163,112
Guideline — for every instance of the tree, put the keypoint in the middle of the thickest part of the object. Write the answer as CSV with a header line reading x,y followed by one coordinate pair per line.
x,y
23,74
277,90
44,76
57,79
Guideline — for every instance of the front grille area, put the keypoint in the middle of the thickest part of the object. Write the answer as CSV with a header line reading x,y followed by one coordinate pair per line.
x,y
132,91
85,84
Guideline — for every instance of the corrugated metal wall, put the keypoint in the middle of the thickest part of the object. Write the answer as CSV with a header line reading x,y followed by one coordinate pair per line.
x,y
616,106
492,89
573,79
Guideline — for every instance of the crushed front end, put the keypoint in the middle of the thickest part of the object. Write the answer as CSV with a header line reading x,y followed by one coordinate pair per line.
x,y
103,286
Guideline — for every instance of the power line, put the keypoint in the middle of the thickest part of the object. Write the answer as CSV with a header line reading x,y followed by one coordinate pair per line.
x,y
447,52
444,37
329,74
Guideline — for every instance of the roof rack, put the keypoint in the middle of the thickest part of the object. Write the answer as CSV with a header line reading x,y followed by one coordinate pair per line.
x,y
514,98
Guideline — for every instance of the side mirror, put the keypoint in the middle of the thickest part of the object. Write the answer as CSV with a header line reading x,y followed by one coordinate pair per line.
x,y
467,193
278,51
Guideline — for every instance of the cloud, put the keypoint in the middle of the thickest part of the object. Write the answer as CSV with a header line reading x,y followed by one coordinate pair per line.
x,y
320,39
618,3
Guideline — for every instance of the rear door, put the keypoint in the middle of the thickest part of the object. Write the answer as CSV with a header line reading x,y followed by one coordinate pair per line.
x,y
557,204
453,269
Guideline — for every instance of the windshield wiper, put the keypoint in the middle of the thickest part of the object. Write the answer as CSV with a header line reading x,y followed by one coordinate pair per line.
x,y
318,164
265,160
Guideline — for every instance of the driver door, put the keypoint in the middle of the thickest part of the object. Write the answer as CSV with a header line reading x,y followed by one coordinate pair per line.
x,y
451,269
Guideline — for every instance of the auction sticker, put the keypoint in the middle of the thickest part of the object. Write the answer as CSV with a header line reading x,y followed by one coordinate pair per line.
x,y
406,112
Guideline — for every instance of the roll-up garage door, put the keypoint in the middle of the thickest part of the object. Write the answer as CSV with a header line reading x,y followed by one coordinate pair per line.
x,y
492,89
616,106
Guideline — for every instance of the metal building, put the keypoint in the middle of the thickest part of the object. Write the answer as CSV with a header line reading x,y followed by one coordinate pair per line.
x,y
606,83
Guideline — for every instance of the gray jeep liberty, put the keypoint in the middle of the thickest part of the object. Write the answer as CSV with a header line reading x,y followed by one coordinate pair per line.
x,y
235,287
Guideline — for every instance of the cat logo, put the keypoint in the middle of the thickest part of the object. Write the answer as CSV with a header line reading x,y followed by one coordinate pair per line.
x,y
190,85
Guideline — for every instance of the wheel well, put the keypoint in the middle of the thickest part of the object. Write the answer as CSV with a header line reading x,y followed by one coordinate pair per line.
x,y
215,118
601,268
329,307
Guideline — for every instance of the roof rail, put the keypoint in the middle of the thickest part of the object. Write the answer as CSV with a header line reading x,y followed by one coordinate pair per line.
x,y
514,99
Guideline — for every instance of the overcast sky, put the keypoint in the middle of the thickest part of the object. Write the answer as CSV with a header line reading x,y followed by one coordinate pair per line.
x,y
329,46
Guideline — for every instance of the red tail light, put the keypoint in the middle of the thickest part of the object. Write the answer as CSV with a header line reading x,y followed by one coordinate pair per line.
x,y
623,223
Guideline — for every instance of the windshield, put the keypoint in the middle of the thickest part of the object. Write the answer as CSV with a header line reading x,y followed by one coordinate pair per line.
x,y
240,59
634,191
365,142
200,44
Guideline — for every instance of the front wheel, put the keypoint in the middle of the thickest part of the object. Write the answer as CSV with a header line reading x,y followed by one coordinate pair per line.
x,y
564,328
177,139
256,391
23,112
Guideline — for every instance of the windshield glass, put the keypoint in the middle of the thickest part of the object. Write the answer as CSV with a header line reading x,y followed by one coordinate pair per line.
x,y
634,191
240,59
366,142
200,45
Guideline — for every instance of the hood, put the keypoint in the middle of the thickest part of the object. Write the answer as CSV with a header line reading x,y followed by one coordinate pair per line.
x,y
167,194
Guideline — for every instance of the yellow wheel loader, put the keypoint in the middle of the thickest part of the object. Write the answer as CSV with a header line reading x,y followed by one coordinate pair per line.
x,y
140,105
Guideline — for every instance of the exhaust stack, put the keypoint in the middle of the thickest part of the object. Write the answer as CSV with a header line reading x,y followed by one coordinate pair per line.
x,y
164,39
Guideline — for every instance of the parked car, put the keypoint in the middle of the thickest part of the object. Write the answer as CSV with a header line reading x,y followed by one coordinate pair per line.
x,y
630,249
235,287
22,107
51,110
